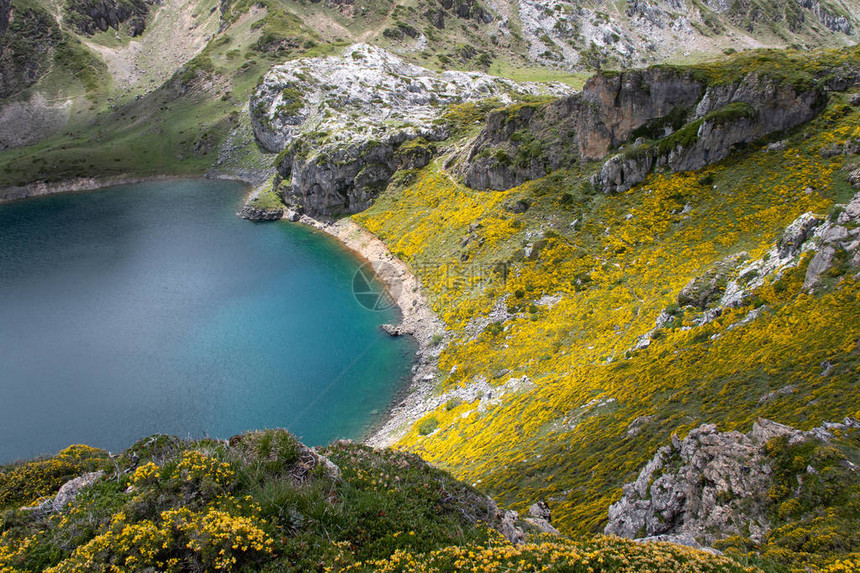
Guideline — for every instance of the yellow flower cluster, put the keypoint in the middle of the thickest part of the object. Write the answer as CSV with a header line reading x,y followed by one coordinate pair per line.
x,y
196,466
602,554
214,538
145,474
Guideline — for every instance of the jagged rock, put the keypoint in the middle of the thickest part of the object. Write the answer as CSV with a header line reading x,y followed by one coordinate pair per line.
x,y
91,16
331,469
704,290
256,214
854,178
540,510
5,8
542,525
821,262
796,234
72,488
391,330
510,528
340,123
707,486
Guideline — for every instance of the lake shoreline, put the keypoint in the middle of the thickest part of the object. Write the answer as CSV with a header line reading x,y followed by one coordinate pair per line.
x,y
43,188
418,320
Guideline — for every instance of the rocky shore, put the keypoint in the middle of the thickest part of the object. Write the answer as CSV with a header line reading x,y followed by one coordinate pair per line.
x,y
418,320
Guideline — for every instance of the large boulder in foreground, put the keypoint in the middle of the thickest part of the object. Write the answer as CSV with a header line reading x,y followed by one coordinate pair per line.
x,y
340,123
712,485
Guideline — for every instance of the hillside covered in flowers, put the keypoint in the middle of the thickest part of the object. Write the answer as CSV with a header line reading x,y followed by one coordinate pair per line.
x,y
589,335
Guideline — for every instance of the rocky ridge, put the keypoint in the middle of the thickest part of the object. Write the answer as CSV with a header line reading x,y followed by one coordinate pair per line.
x,y
827,242
570,34
341,123
661,117
711,484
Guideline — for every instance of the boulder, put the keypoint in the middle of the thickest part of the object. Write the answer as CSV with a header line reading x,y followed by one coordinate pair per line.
x,y
707,486
72,488
820,263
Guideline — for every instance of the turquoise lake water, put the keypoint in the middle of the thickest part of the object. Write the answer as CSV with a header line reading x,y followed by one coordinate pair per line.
x,y
152,308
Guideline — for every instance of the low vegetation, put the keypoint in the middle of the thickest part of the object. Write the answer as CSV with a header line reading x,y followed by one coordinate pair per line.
x,y
264,502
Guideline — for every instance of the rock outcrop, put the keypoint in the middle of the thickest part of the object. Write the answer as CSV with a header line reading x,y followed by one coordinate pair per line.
x,y
676,119
341,124
5,9
91,16
668,118
67,493
709,485
26,47
521,143
253,213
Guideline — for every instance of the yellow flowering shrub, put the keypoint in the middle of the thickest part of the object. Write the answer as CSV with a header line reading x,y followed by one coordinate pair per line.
x,y
586,275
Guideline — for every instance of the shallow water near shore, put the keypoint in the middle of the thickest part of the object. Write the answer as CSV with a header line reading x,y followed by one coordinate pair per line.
x,y
151,308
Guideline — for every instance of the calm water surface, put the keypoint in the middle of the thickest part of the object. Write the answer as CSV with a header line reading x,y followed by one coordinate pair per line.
x,y
152,308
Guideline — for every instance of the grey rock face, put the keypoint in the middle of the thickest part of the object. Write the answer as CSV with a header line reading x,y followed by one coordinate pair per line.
x,y
724,117
522,144
5,8
91,16
72,488
340,123
616,105
526,142
796,234
821,262
511,529
706,289
707,486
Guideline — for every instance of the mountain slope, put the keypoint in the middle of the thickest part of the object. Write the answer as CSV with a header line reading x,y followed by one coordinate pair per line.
x,y
130,55
593,323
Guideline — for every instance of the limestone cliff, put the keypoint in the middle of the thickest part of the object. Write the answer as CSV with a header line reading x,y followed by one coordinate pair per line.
x,y
662,117
341,123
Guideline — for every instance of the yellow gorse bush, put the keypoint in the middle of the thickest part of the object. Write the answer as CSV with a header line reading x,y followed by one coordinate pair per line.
x,y
196,466
611,275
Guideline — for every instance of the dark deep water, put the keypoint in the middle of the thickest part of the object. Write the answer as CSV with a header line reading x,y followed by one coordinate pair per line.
x,y
152,308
